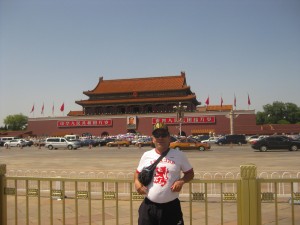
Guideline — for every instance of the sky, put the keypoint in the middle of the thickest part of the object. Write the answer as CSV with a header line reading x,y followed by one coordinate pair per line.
x,y
51,51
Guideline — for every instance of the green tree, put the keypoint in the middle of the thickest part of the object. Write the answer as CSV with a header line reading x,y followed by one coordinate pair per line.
x,y
279,113
260,118
292,113
16,122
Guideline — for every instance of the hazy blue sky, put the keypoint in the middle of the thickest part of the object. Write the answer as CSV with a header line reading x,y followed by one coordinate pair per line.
x,y
51,51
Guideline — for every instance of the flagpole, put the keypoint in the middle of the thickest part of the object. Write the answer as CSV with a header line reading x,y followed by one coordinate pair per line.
x,y
221,103
234,102
249,101
32,110
42,112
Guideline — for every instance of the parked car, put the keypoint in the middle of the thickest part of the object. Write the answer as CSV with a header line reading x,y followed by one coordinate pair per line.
x,y
104,141
144,142
57,142
276,142
8,138
256,139
72,137
188,144
124,143
250,138
39,143
88,142
15,143
27,142
232,139
200,138
211,140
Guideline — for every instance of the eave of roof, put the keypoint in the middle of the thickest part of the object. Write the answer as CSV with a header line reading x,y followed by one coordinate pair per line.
x,y
214,108
89,93
76,113
137,100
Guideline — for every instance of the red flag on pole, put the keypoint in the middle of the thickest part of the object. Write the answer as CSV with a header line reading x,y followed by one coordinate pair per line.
x,y
221,101
207,101
62,108
42,112
234,101
249,102
32,110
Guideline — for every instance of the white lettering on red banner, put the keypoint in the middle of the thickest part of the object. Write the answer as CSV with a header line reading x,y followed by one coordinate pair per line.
x,y
200,119
84,123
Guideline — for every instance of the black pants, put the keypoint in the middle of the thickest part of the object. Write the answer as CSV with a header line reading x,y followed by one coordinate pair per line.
x,y
151,213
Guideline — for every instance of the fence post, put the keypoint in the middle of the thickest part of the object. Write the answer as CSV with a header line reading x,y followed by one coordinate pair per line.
x,y
248,200
3,203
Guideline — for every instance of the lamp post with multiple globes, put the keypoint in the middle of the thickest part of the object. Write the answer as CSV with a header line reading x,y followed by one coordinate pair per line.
x,y
180,114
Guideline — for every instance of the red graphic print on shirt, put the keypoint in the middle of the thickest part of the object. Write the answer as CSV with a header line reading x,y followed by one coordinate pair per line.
x,y
161,175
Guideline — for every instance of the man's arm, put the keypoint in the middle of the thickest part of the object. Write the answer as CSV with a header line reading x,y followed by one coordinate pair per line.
x,y
140,188
187,177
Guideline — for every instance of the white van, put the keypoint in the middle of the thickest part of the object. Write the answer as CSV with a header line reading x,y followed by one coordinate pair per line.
x,y
71,137
7,138
59,142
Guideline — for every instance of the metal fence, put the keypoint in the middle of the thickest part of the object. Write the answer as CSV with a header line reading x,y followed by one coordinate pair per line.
x,y
68,198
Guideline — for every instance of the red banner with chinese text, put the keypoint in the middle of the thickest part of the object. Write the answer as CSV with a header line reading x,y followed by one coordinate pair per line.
x,y
84,123
199,119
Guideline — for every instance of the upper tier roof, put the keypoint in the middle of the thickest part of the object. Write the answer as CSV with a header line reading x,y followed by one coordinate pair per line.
x,y
140,85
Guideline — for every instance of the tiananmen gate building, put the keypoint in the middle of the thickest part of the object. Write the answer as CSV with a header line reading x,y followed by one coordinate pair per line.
x,y
133,105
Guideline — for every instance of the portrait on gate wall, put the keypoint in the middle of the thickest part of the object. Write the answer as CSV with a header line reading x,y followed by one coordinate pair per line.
x,y
131,122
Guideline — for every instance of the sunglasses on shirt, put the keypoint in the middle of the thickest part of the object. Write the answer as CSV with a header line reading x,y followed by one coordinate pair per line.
x,y
160,135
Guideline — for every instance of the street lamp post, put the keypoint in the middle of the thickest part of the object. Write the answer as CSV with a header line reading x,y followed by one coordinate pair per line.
x,y
180,114
232,115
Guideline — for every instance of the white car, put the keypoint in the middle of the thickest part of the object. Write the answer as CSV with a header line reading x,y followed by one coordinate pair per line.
x,y
15,143
253,137
251,141
211,140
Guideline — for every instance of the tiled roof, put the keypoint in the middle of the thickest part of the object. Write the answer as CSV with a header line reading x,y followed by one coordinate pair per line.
x,y
140,84
136,100
23,133
76,113
214,108
219,108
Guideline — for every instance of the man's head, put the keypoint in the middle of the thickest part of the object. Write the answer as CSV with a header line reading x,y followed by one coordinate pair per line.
x,y
160,128
161,136
131,120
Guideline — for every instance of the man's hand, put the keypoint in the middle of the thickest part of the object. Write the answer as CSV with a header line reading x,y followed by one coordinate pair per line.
x,y
177,186
141,189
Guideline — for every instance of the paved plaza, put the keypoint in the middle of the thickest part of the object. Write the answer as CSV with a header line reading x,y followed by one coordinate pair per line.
x,y
218,160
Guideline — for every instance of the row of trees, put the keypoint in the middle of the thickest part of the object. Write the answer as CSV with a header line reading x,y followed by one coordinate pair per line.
x,y
15,122
277,113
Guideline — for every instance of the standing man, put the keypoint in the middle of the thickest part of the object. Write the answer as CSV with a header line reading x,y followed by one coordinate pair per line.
x,y
161,205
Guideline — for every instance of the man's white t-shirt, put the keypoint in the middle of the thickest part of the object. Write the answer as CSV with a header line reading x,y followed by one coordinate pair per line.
x,y
166,173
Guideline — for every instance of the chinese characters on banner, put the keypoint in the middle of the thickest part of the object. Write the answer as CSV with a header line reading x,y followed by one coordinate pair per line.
x,y
84,123
200,119
109,122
